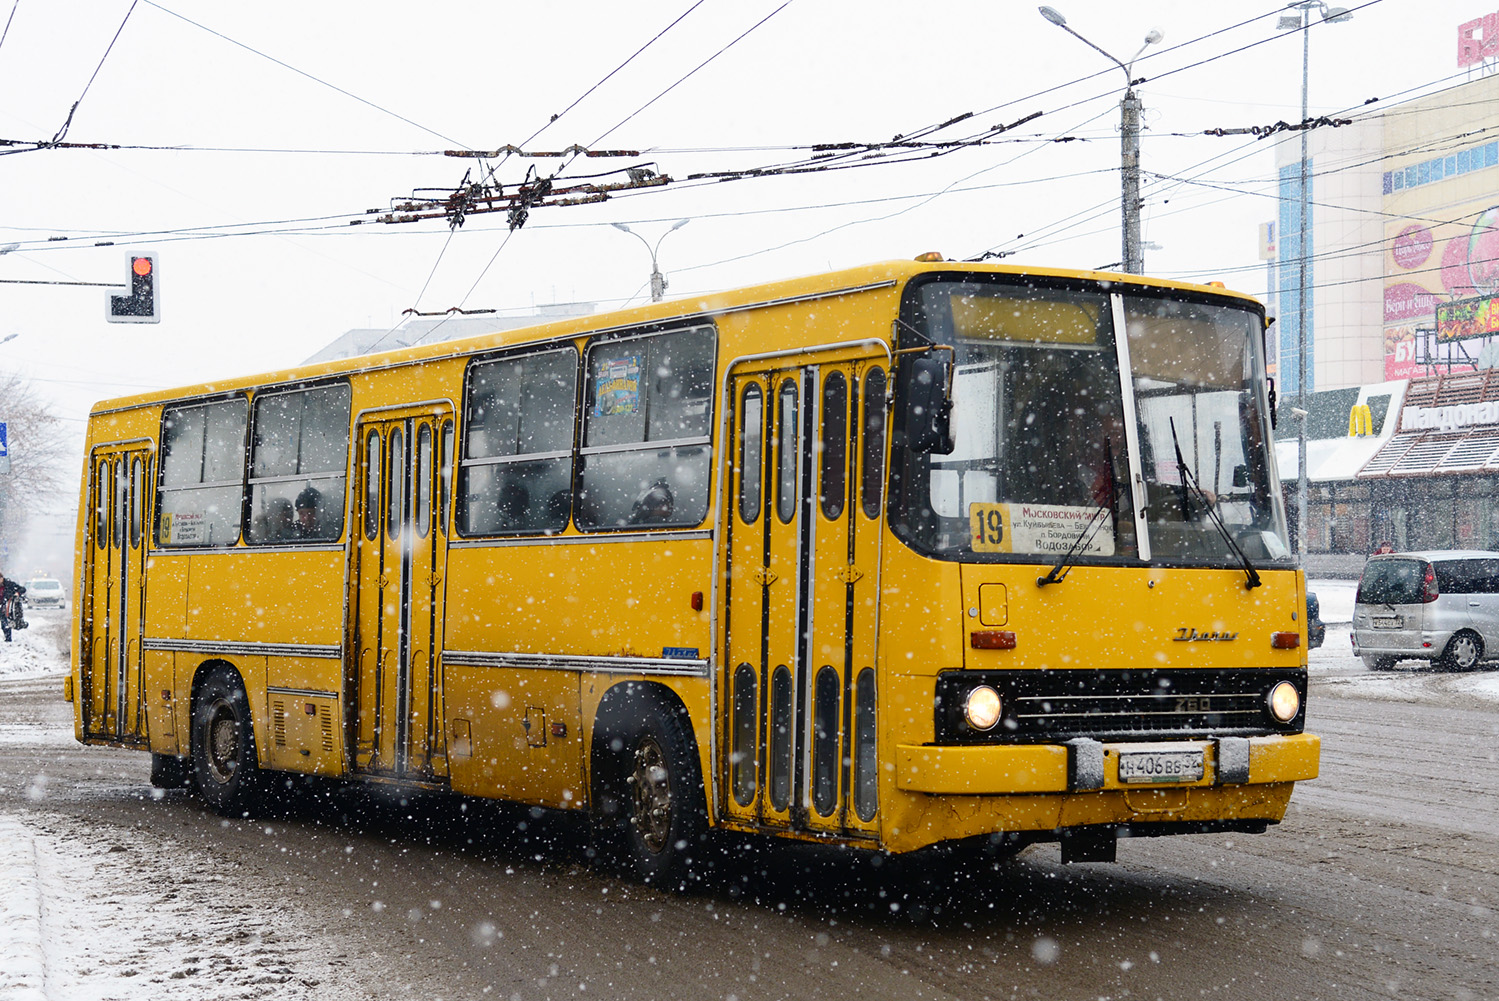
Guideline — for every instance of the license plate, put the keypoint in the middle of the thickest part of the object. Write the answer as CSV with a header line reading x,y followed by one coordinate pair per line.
x,y
1385,621
1160,766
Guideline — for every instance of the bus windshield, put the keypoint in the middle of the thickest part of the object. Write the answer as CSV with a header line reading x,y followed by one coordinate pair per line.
x,y
1041,464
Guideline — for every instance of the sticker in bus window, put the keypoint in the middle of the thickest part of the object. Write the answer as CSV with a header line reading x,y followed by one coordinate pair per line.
x,y
617,386
1044,529
186,528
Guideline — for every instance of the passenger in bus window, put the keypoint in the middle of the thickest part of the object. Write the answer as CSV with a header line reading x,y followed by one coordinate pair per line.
x,y
278,522
655,506
514,504
309,502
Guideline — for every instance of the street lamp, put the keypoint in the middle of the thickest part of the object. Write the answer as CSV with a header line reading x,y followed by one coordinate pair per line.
x,y
658,280
1304,250
1129,132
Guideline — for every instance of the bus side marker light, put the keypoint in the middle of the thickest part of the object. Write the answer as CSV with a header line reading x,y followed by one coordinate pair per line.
x,y
697,601
1285,641
992,639
166,696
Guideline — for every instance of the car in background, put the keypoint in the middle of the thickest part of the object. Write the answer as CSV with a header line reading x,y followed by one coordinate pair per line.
x,y
1316,629
46,592
1440,606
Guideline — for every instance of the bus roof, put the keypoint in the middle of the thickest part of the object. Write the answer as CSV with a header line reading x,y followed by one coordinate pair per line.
x,y
848,280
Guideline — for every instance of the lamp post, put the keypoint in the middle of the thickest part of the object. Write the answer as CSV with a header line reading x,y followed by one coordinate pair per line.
x,y
1304,251
1129,137
658,280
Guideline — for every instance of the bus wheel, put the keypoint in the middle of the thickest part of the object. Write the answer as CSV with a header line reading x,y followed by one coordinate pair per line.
x,y
223,745
660,800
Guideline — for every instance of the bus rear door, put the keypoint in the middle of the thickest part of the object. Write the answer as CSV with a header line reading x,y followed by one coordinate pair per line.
x,y
113,605
800,596
400,556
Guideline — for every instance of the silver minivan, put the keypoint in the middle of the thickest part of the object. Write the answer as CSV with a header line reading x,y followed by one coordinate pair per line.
x,y
1441,606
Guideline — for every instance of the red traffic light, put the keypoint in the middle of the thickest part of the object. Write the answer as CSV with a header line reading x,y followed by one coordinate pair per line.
x,y
141,265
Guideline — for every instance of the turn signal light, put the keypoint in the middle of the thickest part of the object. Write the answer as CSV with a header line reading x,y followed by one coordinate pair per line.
x,y
1285,641
930,257
992,639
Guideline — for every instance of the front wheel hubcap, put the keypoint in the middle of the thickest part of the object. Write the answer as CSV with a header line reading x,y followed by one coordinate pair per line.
x,y
650,793
222,740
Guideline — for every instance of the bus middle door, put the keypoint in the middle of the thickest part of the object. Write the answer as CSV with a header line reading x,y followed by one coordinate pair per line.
x,y
802,548
400,558
114,605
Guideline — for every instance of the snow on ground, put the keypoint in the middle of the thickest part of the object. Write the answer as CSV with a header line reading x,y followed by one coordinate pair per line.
x,y
1335,598
39,648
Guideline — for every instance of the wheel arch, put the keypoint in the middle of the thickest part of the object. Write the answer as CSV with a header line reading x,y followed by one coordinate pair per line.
x,y
200,675
619,710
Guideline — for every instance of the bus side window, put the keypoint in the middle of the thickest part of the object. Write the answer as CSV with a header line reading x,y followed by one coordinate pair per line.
x,y
647,427
200,484
515,476
297,465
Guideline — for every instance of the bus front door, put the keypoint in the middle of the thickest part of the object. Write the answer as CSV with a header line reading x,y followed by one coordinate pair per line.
x,y
799,592
400,542
114,600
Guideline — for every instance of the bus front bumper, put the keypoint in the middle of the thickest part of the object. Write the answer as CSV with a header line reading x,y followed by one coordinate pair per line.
x,y
1088,765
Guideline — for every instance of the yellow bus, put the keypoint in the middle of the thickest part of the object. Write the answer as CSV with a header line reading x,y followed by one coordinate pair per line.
x,y
914,553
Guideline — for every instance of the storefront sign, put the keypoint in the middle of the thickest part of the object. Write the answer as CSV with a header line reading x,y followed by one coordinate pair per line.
x,y
1466,318
1451,418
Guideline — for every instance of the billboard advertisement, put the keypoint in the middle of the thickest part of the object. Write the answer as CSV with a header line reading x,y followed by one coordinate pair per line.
x,y
1431,263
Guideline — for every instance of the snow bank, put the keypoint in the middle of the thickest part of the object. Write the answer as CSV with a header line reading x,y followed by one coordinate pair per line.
x,y
39,649
22,961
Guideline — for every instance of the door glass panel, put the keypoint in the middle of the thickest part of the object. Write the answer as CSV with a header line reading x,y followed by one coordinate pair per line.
x,y
751,457
786,453
780,737
396,488
745,719
834,445
873,438
866,769
117,522
101,505
423,476
825,742
372,485
444,476
137,501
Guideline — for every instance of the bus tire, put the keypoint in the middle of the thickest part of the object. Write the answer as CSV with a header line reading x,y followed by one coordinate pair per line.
x,y
223,745
168,771
654,825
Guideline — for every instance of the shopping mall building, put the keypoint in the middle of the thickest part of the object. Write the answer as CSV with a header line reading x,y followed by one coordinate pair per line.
x,y
1402,345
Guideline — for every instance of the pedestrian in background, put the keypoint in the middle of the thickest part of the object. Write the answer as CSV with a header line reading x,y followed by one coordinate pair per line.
x,y
10,605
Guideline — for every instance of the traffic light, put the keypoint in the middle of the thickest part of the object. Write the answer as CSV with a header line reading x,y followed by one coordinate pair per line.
x,y
143,304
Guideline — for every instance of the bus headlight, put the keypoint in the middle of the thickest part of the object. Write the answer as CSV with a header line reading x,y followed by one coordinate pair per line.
x,y
1284,702
981,709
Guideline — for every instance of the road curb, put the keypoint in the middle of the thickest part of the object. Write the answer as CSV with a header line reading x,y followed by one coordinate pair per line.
x,y
23,962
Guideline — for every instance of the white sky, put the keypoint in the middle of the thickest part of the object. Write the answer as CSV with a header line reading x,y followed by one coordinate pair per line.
x,y
486,75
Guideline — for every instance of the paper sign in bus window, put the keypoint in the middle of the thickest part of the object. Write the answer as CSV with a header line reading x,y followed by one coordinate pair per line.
x,y
617,386
1043,529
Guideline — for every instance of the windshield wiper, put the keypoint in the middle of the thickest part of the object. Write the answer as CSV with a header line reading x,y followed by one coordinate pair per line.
x,y
1189,483
1109,506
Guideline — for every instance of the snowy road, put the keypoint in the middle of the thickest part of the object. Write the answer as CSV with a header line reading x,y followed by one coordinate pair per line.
x,y
1381,882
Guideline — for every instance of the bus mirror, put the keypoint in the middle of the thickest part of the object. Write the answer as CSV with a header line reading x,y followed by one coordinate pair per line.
x,y
928,409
